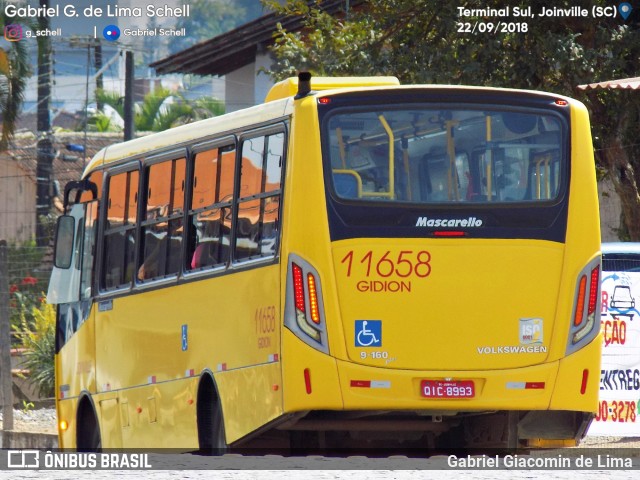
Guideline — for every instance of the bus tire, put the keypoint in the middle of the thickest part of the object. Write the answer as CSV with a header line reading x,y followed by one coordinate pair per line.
x,y
211,434
88,438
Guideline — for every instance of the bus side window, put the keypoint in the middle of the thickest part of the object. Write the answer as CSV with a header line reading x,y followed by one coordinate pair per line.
x,y
210,208
162,227
258,222
95,178
119,233
272,188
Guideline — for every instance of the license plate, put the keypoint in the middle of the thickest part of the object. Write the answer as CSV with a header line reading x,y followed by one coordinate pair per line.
x,y
447,389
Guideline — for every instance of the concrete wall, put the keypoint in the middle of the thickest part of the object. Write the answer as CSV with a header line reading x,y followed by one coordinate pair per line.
x,y
263,81
13,439
247,86
17,202
239,87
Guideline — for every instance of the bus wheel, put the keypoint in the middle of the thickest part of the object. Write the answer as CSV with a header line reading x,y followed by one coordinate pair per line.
x,y
211,435
88,434
219,438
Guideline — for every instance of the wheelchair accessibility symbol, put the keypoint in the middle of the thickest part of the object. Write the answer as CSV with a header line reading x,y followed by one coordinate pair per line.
x,y
368,333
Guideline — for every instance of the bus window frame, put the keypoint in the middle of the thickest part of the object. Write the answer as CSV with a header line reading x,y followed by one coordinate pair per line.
x,y
175,154
265,131
355,105
188,150
196,149
134,164
351,218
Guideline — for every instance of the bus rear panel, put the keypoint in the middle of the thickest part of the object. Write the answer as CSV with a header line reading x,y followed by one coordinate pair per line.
x,y
453,294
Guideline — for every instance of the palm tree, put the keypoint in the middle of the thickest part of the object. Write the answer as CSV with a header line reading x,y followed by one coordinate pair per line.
x,y
151,107
184,111
14,71
162,109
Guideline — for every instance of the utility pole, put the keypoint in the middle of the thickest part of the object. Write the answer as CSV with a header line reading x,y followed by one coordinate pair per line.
x,y
89,43
6,379
99,83
128,96
44,168
86,107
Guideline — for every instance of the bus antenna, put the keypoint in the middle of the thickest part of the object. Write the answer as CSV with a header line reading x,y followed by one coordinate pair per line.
x,y
304,85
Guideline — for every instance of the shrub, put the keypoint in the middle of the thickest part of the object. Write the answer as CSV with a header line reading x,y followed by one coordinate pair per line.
x,y
27,278
37,337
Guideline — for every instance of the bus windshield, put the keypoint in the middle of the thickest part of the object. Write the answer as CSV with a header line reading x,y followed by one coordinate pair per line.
x,y
445,155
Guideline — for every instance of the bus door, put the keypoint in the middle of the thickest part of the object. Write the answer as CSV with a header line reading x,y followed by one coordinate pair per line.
x,y
70,288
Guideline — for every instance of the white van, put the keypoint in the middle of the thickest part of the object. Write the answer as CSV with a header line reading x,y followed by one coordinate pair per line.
x,y
621,257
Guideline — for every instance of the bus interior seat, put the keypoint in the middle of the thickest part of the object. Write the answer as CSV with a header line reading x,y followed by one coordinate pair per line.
x,y
347,183
209,253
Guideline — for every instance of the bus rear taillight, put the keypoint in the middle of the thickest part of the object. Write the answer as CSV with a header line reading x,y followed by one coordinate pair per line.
x,y
298,288
304,311
594,290
314,309
584,326
582,291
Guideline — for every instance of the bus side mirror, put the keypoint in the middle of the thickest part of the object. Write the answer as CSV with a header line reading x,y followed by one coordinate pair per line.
x,y
65,229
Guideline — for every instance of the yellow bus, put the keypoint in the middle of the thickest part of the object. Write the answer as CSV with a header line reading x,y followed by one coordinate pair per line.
x,y
352,263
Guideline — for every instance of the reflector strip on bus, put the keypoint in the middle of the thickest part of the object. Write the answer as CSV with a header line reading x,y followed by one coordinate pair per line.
x,y
525,385
585,380
307,380
371,383
274,357
64,389
151,379
221,367
190,373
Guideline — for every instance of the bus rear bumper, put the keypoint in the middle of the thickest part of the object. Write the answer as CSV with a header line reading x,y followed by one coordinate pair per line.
x,y
569,384
538,406
564,385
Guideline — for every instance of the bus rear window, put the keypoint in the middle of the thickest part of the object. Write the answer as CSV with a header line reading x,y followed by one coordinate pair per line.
x,y
444,155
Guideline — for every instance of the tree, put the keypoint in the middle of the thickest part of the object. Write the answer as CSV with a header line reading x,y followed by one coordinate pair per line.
x,y
14,71
184,111
421,41
159,110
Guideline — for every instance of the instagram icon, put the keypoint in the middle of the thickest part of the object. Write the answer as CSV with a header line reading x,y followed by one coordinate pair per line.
x,y
13,33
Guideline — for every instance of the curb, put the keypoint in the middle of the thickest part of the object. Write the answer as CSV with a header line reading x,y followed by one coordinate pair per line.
x,y
13,439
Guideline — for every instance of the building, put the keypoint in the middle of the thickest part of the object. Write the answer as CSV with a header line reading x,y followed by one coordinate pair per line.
x,y
17,201
240,54
18,176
